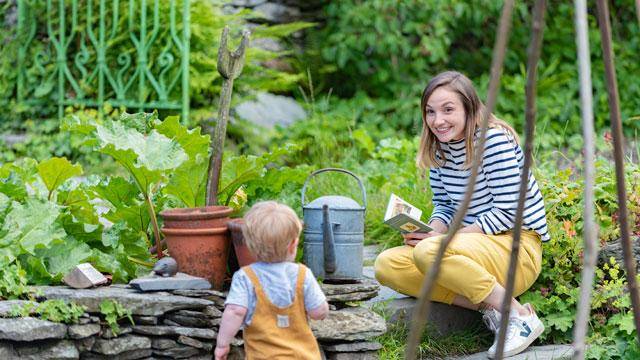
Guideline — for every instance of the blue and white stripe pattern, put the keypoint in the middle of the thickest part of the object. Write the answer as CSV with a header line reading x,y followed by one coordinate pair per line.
x,y
495,198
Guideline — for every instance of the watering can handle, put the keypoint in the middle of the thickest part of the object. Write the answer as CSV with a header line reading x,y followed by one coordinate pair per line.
x,y
364,193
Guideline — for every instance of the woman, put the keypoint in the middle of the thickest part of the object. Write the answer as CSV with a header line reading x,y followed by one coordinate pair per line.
x,y
474,267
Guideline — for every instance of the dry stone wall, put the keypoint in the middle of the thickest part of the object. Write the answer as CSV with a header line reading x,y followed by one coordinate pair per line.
x,y
173,325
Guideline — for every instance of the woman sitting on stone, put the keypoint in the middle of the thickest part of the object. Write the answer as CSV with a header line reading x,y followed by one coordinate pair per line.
x,y
474,268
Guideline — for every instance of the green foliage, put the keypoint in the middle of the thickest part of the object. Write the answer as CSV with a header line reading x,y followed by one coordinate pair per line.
x,y
207,21
13,282
556,291
391,49
52,310
113,312
56,226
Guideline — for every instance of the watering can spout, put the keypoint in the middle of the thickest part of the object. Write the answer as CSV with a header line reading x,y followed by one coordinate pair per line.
x,y
329,243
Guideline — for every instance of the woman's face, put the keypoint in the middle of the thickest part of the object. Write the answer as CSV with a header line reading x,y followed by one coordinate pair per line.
x,y
445,114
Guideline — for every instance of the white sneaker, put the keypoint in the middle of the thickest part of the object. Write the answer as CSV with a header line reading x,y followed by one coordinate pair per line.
x,y
521,332
491,319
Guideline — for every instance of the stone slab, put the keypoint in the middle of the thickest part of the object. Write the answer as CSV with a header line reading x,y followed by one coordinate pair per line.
x,y
547,352
365,285
180,281
363,355
83,331
85,344
163,343
127,355
143,304
121,344
175,330
353,347
190,321
30,329
349,324
179,352
362,290
185,340
59,350
7,306
217,297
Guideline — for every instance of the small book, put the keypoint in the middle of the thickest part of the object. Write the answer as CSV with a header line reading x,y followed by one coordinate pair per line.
x,y
404,217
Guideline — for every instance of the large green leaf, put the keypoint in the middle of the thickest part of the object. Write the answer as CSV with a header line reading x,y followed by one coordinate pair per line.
x,y
239,170
32,225
146,158
57,170
5,207
135,215
117,191
14,178
63,255
78,203
191,141
188,182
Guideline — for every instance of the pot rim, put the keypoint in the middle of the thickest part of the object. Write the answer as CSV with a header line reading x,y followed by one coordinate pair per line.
x,y
197,213
235,224
192,232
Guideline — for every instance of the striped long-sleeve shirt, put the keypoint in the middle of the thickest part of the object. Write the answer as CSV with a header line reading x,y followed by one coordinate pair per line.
x,y
495,198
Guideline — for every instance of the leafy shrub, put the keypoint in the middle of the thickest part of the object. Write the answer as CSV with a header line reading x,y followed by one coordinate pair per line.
x,y
390,50
556,292
13,282
113,312
52,310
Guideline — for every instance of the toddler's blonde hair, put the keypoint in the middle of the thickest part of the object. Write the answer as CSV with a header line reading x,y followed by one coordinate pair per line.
x,y
269,227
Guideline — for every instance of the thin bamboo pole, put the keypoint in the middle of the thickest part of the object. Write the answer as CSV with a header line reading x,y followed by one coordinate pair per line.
x,y
535,46
618,140
421,311
590,230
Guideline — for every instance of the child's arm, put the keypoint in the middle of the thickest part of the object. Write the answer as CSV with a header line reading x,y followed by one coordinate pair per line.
x,y
315,302
320,312
232,319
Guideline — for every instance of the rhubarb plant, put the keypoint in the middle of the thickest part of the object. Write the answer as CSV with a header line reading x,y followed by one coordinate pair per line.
x,y
52,219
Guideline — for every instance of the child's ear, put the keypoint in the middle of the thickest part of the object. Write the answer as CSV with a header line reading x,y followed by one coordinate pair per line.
x,y
293,245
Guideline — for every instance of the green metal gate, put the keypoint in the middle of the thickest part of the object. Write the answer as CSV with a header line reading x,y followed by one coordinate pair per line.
x,y
132,54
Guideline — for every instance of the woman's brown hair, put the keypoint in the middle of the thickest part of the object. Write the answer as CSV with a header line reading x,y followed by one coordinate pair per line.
x,y
473,107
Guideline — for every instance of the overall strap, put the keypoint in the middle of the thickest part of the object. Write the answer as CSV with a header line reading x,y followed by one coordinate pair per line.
x,y
300,281
254,279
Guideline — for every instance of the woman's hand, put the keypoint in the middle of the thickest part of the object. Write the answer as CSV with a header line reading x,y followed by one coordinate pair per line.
x,y
412,239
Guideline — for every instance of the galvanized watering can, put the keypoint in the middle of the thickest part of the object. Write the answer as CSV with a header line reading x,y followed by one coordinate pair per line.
x,y
334,233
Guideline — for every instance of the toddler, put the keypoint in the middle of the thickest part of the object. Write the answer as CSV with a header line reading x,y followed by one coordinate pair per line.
x,y
272,298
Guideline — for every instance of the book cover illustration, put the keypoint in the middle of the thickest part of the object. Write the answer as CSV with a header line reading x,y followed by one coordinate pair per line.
x,y
404,217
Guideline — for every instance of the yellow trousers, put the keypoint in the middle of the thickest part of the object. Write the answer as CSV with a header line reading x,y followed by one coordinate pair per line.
x,y
471,267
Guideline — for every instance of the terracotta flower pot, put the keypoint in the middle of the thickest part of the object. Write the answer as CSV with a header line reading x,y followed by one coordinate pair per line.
x,y
207,217
200,252
244,256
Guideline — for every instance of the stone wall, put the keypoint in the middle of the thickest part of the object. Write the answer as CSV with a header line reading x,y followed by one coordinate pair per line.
x,y
173,325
